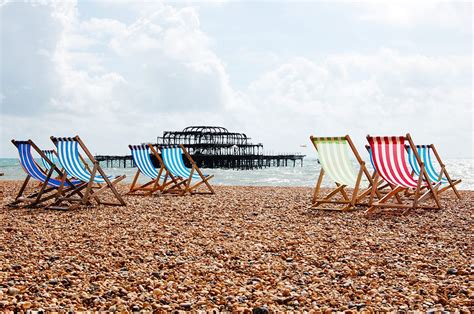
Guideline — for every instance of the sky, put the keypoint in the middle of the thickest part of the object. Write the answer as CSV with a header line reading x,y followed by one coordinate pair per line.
x,y
122,72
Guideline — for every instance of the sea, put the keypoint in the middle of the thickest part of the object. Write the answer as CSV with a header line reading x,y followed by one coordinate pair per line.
x,y
305,175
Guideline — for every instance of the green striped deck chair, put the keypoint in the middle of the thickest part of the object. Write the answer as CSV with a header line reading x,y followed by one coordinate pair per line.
x,y
333,154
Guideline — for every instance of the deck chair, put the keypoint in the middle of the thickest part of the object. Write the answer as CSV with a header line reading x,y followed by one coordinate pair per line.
x,y
333,154
97,182
51,155
174,163
50,187
390,161
159,179
46,165
424,151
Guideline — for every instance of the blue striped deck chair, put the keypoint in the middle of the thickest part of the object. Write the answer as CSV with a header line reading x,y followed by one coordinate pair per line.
x,y
442,176
96,179
50,187
158,179
333,154
174,163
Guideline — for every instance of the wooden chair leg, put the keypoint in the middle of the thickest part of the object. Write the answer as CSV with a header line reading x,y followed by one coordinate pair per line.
x,y
356,187
85,198
112,186
135,178
318,185
188,184
48,176
418,187
204,181
374,187
20,193
446,174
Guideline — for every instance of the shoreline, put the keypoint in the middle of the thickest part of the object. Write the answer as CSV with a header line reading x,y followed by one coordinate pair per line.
x,y
245,247
126,185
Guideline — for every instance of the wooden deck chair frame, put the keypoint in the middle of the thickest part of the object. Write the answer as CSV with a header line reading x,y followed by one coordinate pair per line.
x,y
190,187
422,192
449,183
93,190
44,192
194,168
169,183
347,202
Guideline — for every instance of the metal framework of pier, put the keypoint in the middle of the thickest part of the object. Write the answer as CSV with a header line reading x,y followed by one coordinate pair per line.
x,y
214,147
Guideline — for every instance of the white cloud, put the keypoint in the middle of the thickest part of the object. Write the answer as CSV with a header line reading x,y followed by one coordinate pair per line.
x,y
441,14
380,93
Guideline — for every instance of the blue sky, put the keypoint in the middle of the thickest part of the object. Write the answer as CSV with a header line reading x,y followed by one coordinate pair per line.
x,y
121,72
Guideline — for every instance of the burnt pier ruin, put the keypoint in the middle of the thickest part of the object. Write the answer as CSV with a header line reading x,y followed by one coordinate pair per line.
x,y
215,147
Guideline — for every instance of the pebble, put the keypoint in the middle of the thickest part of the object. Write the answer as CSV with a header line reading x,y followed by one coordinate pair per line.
x,y
260,310
186,305
16,267
13,291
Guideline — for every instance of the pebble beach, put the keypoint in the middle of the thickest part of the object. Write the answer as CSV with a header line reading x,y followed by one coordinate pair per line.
x,y
244,249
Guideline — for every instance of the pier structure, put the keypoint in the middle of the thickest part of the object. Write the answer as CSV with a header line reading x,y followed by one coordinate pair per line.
x,y
116,161
211,140
214,147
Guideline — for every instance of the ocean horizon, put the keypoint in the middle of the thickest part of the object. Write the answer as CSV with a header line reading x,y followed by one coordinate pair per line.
x,y
304,176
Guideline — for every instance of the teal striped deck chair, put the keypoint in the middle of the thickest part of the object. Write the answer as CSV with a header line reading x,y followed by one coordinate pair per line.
x,y
97,181
442,176
51,155
174,163
158,179
333,154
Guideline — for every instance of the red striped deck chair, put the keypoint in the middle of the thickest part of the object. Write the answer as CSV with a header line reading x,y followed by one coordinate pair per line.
x,y
391,164
333,154
382,185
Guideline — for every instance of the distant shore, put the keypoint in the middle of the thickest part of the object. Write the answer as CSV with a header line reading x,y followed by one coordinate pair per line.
x,y
244,248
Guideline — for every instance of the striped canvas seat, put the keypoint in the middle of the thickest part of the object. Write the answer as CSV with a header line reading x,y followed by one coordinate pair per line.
x,y
425,154
334,158
28,164
390,161
51,156
173,159
68,156
141,157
